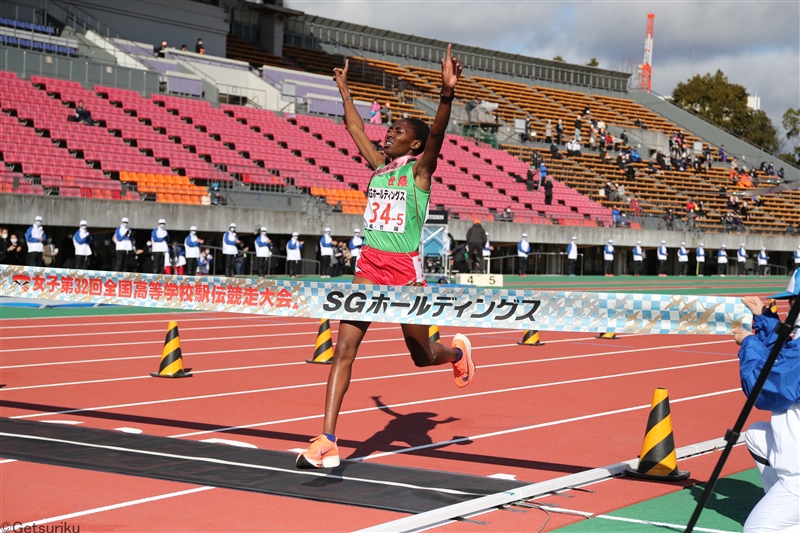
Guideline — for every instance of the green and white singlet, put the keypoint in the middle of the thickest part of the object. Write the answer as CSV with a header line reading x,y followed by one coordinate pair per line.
x,y
396,208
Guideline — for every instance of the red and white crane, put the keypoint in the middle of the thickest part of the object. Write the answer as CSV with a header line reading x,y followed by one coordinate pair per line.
x,y
645,68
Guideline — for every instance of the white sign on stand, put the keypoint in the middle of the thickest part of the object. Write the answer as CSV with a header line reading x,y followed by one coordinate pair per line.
x,y
480,280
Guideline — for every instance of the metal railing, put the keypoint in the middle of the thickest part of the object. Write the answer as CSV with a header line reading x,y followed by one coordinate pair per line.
x,y
509,264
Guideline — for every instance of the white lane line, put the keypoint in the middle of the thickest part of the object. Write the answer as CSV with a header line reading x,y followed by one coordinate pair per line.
x,y
548,424
163,330
135,431
306,385
238,350
434,400
197,316
212,460
65,422
112,507
659,524
230,442
14,460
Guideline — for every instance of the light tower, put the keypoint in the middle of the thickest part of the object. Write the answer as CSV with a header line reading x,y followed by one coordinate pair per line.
x,y
645,68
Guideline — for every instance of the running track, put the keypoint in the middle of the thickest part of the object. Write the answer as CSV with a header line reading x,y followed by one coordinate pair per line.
x,y
532,412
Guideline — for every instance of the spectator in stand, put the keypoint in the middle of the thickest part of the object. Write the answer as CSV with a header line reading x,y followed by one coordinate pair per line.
x,y
82,114
578,123
661,252
159,241
554,151
638,259
293,256
592,138
198,47
82,240
548,192
559,132
741,260
635,207
476,241
469,106
531,178
690,206
763,259
573,148
572,255
669,219
615,216
608,259
124,247
14,250
623,137
523,249
683,260
355,245
744,210
722,261
192,251
507,215
230,249
35,239
50,253
700,258
184,48
708,156
723,156
791,230
781,173
375,113
204,262
162,51
548,131
601,139
263,252
5,247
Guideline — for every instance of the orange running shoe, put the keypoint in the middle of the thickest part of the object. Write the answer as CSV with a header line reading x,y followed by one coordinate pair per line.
x,y
465,368
321,454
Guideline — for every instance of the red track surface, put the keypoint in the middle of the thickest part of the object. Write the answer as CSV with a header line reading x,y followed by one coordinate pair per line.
x,y
533,412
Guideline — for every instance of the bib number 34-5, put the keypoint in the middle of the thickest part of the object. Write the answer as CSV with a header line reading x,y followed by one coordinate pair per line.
x,y
386,210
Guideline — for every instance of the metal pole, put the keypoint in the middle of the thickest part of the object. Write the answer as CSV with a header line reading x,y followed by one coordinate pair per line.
x,y
784,330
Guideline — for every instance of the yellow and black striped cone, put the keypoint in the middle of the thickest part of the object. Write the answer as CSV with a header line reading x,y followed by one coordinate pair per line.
x,y
171,360
433,334
773,306
531,338
323,349
608,335
658,460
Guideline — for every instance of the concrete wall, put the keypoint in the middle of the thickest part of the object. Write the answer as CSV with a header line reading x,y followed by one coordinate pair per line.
x,y
67,212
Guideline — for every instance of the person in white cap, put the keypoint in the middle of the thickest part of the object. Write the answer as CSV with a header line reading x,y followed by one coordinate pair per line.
x,y
683,260
487,253
608,258
263,252
355,245
700,257
192,246
229,249
35,239
326,253
159,244
82,240
722,261
523,249
741,260
773,445
763,259
124,245
293,255
661,252
572,255
638,259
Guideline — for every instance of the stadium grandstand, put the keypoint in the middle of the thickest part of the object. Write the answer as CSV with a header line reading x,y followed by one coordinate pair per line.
x,y
249,127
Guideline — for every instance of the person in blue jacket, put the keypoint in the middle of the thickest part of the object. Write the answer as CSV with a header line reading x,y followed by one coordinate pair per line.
x,y
35,238
774,445
82,240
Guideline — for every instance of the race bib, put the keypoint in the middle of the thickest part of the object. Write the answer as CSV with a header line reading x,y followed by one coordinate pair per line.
x,y
386,210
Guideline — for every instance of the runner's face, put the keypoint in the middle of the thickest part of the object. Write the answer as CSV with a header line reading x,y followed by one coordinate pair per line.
x,y
400,140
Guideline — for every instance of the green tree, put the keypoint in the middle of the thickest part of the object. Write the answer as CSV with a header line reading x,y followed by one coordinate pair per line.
x,y
717,100
559,58
791,123
593,62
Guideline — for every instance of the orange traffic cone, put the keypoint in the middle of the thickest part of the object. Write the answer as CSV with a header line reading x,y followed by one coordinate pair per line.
x,y
658,460
608,335
531,338
323,350
171,360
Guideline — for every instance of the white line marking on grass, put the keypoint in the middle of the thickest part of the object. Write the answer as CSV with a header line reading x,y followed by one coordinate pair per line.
x,y
374,378
659,524
113,507
212,460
